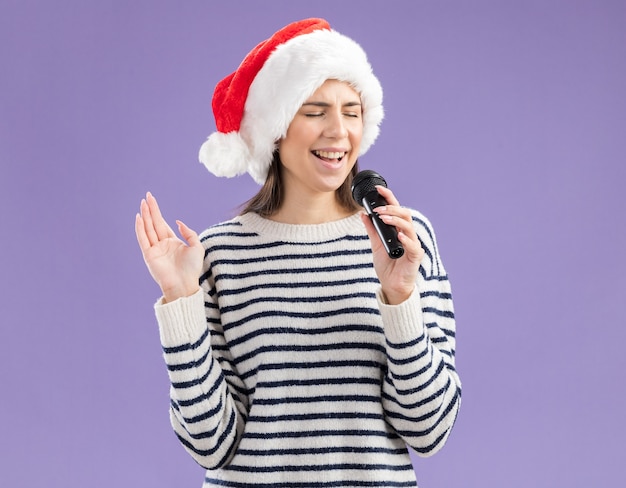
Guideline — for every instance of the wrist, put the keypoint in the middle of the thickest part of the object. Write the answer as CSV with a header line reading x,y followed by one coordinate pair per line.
x,y
396,297
173,294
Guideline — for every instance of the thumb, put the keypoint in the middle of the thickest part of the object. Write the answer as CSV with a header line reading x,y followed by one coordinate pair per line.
x,y
188,234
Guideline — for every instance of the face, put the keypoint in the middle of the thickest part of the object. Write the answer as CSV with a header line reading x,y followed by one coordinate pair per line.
x,y
322,142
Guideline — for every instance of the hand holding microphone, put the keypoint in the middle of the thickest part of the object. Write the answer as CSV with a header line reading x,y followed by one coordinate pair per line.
x,y
393,236
365,193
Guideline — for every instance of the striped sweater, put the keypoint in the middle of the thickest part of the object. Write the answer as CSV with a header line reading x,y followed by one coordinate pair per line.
x,y
287,369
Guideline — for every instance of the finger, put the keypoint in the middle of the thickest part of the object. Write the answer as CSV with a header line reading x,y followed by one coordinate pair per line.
x,y
414,250
400,219
392,207
388,195
401,213
410,239
188,234
140,232
148,224
161,227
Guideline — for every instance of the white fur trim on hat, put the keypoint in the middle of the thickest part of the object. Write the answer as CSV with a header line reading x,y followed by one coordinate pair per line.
x,y
225,154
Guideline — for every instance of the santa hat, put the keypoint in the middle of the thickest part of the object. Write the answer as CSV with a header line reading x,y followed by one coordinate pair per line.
x,y
254,106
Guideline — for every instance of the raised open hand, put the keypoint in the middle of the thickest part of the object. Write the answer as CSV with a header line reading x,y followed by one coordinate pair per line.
x,y
397,276
174,264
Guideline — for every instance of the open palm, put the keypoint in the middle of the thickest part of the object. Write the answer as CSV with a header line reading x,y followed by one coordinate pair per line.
x,y
173,263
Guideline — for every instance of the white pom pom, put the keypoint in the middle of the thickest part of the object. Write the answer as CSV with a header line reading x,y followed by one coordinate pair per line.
x,y
225,154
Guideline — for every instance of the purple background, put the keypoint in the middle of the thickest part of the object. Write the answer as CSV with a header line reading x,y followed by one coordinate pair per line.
x,y
505,124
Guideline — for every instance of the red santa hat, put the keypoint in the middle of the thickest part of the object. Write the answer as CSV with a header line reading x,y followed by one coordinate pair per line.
x,y
254,106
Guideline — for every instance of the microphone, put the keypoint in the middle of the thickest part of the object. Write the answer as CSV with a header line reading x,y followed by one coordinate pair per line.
x,y
365,193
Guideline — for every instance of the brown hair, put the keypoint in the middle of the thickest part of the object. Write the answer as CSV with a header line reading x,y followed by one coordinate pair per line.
x,y
270,197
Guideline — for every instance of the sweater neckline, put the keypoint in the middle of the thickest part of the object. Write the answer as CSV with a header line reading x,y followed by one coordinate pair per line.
x,y
309,232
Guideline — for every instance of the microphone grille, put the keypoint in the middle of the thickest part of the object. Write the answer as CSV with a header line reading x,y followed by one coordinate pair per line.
x,y
365,182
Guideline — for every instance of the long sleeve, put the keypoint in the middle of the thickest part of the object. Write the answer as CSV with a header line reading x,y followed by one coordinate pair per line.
x,y
208,406
422,390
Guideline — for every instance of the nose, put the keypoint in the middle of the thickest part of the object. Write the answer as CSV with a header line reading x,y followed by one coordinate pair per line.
x,y
335,125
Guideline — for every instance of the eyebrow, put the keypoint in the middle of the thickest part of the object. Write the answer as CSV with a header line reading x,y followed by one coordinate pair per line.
x,y
326,105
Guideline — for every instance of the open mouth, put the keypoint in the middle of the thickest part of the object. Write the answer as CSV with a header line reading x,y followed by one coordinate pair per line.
x,y
330,156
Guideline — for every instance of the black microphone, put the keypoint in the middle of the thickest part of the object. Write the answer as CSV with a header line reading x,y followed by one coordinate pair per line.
x,y
365,193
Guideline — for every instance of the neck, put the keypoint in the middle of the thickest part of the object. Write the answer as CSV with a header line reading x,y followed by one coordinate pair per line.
x,y
323,208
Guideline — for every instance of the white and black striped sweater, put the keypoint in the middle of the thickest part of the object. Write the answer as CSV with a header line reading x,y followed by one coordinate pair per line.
x,y
288,370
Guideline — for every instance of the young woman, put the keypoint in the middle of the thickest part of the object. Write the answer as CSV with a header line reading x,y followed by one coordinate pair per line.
x,y
299,353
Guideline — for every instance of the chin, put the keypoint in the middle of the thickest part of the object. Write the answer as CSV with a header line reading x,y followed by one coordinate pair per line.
x,y
331,184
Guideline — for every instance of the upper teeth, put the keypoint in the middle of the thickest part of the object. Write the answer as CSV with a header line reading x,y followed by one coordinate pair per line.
x,y
330,155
